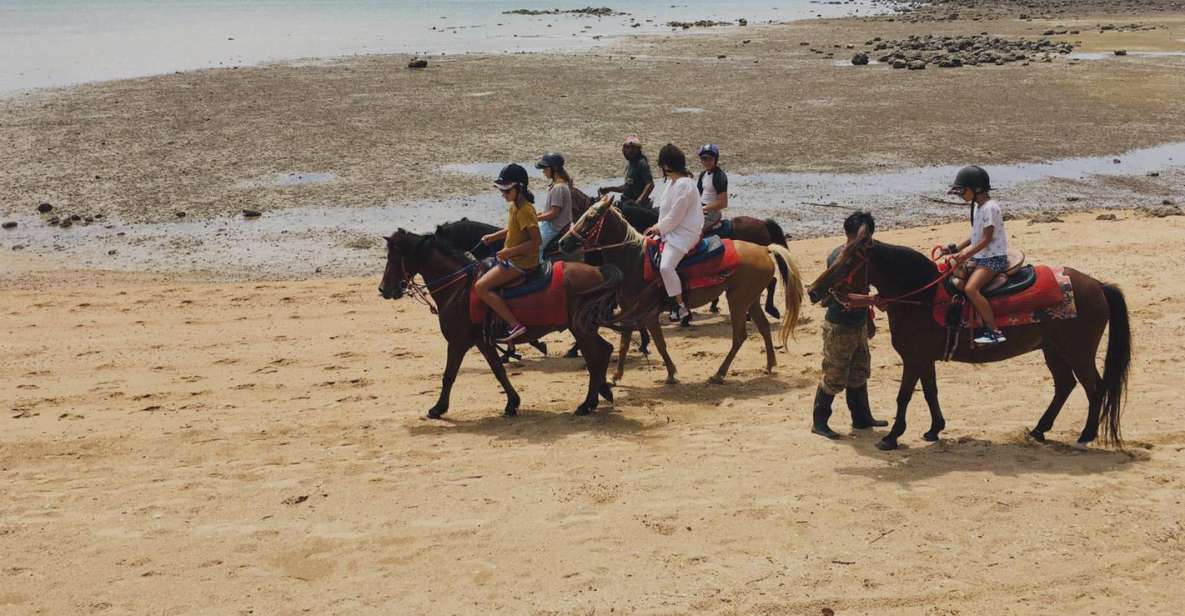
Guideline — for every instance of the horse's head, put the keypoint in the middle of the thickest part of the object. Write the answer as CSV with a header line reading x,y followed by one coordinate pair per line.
x,y
846,273
401,263
586,231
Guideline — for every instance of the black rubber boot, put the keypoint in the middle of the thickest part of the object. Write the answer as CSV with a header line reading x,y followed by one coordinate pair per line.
x,y
862,418
822,413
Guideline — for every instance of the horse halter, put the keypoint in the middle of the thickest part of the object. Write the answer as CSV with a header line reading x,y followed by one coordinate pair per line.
x,y
594,235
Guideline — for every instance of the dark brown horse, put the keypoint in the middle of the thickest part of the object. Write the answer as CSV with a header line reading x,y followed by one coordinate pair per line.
x,y
1069,345
603,229
760,232
449,275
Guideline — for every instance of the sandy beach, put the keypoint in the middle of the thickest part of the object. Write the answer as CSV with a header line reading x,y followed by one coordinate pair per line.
x,y
185,447
205,414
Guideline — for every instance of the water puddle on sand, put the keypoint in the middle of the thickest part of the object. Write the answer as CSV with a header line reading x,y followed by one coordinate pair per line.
x,y
1100,55
294,178
347,240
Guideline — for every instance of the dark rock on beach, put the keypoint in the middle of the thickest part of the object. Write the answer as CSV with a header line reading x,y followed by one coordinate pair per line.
x,y
44,208
9,225
860,59
418,63
975,50
252,213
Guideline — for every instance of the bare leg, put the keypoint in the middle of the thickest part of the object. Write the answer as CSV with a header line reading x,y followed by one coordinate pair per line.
x,y
486,290
978,279
512,399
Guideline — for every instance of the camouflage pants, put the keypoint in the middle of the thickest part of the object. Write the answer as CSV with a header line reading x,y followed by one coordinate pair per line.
x,y
846,360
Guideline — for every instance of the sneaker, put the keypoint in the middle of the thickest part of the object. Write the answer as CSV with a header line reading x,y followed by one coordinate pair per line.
x,y
514,334
988,337
678,313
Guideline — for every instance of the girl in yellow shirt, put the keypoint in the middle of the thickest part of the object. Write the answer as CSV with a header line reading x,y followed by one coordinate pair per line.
x,y
521,252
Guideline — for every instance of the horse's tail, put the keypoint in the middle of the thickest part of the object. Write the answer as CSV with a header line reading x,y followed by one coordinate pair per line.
x,y
776,235
792,287
1116,366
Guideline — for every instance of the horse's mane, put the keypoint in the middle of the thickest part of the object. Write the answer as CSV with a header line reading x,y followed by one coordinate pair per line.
x,y
645,215
911,268
465,226
430,240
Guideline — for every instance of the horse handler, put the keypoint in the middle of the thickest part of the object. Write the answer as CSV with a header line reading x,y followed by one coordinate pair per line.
x,y
847,361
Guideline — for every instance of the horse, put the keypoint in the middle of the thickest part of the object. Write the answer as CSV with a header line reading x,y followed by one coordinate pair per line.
x,y
449,276
908,278
465,235
745,228
603,229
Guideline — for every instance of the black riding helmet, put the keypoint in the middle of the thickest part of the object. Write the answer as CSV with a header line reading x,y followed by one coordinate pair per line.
x,y
512,175
553,160
672,158
973,177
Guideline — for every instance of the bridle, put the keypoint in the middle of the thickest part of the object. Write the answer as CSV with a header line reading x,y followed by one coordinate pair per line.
x,y
883,302
423,293
594,234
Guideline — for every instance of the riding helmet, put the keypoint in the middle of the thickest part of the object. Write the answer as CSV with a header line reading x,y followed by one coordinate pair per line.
x,y
512,175
553,160
709,150
633,140
972,177
672,158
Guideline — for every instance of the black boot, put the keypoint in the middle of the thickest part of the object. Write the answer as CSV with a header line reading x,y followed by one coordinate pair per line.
x,y
822,413
862,418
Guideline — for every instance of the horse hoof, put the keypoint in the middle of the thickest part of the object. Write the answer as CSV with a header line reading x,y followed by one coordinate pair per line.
x,y
436,413
714,309
931,436
886,444
1037,435
716,379
583,410
615,378
606,392
774,313
1081,445
572,353
672,380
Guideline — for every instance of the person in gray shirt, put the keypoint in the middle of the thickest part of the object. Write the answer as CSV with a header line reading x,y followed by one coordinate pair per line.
x,y
556,214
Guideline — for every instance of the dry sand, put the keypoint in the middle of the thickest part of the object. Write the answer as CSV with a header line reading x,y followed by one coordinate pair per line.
x,y
174,446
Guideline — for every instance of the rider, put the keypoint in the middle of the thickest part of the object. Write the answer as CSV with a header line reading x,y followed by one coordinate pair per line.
x,y
638,180
986,250
557,206
713,194
680,223
847,362
520,255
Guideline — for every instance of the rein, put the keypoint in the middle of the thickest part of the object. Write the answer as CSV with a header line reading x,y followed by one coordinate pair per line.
x,y
882,303
422,293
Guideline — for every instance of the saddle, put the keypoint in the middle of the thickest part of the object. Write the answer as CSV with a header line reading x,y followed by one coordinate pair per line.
x,y
709,263
722,229
540,298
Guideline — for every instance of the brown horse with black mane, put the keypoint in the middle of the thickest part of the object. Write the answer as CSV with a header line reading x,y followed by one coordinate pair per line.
x,y
449,276
1069,345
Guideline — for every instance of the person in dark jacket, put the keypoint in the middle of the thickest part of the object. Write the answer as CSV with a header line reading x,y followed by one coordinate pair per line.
x,y
639,181
847,361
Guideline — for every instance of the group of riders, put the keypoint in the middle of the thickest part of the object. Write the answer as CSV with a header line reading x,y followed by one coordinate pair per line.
x,y
689,208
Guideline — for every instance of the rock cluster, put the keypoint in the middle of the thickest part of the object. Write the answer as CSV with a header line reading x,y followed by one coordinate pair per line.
x,y
916,52
587,11
703,23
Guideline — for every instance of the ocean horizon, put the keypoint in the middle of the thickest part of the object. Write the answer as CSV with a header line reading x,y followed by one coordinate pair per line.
x,y
53,43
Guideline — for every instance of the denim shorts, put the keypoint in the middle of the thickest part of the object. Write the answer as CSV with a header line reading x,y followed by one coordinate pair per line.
x,y
998,264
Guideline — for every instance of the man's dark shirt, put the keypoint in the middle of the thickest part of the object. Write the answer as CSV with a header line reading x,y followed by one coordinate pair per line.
x,y
637,177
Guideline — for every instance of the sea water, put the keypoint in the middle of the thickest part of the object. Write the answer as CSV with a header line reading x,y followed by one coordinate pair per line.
x,y
46,43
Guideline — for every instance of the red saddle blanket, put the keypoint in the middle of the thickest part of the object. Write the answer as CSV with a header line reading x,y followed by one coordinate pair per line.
x,y
697,271
1050,297
547,306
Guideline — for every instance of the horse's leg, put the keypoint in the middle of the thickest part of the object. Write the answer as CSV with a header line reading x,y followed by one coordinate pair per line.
x,y
763,327
622,350
737,313
909,380
1063,385
660,343
714,308
770,307
597,352
456,353
930,392
1088,375
491,355
644,345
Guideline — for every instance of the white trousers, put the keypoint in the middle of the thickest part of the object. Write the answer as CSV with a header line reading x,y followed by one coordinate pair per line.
x,y
670,260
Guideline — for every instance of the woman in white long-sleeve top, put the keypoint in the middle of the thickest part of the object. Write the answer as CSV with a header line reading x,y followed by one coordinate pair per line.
x,y
680,223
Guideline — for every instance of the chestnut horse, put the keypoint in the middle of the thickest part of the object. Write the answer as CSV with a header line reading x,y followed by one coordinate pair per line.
x,y
603,229
449,275
907,277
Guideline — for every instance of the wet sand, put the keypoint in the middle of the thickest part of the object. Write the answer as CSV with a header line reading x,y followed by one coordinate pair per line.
x,y
178,446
